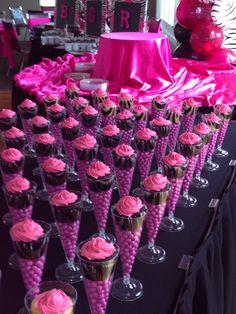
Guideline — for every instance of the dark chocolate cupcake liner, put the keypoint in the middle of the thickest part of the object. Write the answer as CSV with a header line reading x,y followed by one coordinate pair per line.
x,y
156,197
145,145
175,172
189,150
87,154
124,162
127,124
102,184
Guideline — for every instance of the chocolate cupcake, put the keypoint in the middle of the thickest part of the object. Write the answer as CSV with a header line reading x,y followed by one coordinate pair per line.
x,y
140,112
45,145
174,114
99,177
71,91
15,138
86,147
50,99
8,118
125,120
28,109
110,136
56,113
109,108
189,144
125,100
70,129
158,103
204,131
174,165
11,161
55,171
213,121
124,157
223,111
79,104
89,116
161,126
40,125
145,140
190,107
99,96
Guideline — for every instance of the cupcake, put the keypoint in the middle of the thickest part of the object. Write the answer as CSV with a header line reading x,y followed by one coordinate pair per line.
x,y
190,109
8,118
15,138
78,104
124,159
224,111
28,109
125,100
71,91
40,125
158,107
174,114
12,163
141,117
110,139
45,146
125,121
98,97
89,116
50,99
108,111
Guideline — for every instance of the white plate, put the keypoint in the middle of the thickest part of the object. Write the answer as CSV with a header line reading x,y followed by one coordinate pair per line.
x,y
94,83
77,76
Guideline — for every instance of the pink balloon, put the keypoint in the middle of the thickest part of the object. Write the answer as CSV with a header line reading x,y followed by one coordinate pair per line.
x,y
190,13
206,37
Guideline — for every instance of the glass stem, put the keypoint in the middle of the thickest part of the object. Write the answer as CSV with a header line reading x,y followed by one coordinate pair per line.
x,y
198,176
126,279
185,194
151,244
171,216
102,233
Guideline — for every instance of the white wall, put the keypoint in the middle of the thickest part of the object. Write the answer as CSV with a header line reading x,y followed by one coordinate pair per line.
x,y
26,5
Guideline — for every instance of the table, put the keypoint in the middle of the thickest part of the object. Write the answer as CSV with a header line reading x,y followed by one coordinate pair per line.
x,y
165,283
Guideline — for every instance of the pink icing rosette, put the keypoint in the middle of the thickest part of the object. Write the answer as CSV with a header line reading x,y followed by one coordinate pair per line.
x,y
124,115
98,170
125,96
14,132
99,92
97,249
27,104
89,110
212,117
155,182
108,103
145,134
39,120
202,128
45,138
110,130
11,155
56,108
174,159
124,150
7,113
69,123
160,121
85,141
223,108
64,198
189,138
53,165
129,205
50,97
26,231
18,184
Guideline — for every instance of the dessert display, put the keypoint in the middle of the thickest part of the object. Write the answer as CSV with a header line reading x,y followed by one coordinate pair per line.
x,y
66,207
89,121
125,121
162,128
108,112
98,97
125,100
158,107
128,217
78,105
156,189
190,109
71,93
12,163
50,99
15,138
174,166
40,125
124,159
98,258
141,117
190,145
8,119
174,114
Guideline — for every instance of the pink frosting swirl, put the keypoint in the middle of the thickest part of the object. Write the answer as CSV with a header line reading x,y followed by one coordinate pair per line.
x,y
14,133
56,108
129,205
212,117
125,96
189,138
145,134
201,128
45,138
69,123
81,101
139,109
28,104
85,141
155,182
17,185
72,86
39,120
175,110
50,97
223,108
63,198
159,99
11,155
124,150
108,103
26,231
53,165
97,249
190,102
7,113
124,115
174,159
99,92
110,130
160,121
98,170
52,302
89,110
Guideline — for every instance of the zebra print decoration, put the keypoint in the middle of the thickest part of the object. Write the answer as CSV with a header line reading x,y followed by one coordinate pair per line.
x,y
224,15
104,7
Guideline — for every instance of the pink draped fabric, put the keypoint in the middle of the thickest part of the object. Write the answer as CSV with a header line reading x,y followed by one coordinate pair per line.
x,y
6,49
37,21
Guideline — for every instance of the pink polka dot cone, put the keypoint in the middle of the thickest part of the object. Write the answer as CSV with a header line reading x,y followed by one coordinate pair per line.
x,y
139,125
212,144
176,184
69,107
144,160
82,166
153,220
160,149
107,156
201,159
106,120
7,177
55,188
189,172
69,236
89,130
32,271
223,131
101,203
20,214
124,180
28,130
126,136
70,152
188,121
97,294
157,113
57,134
174,131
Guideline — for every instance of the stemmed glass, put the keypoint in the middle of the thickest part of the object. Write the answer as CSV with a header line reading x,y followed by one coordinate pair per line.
x,y
15,138
108,112
125,100
71,93
190,109
66,207
174,114
89,117
125,121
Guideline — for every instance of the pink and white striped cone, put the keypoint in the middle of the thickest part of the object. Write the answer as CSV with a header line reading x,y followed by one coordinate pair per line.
x,y
201,159
54,188
28,130
106,120
82,166
128,242
154,217
91,130
126,136
157,113
188,122
21,214
69,107
189,172
212,144
7,177
69,235
107,156
57,134
144,160
32,271
174,131
101,203
160,149
70,152
124,179
139,125
176,184
222,131
97,294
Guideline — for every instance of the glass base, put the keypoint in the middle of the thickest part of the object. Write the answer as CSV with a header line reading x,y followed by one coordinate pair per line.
x,y
87,205
172,224
199,183
6,219
210,166
37,172
29,152
13,261
73,176
151,254
23,310
130,291
219,152
187,201
54,234
42,195
69,273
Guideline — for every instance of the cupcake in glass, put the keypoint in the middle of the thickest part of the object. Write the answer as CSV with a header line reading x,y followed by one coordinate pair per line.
x,y
162,128
86,149
204,131
125,121
66,207
15,138
108,111
190,109
189,145
174,114
71,93
8,118
88,117
174,167
78,105
124,159
98,97
214,122
100,180
141,117
225,113
27,110
12,163
145,140
70,131
40,125
57,113
30,240
50,99
156,189
125,100
128,217
98,258
158,107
